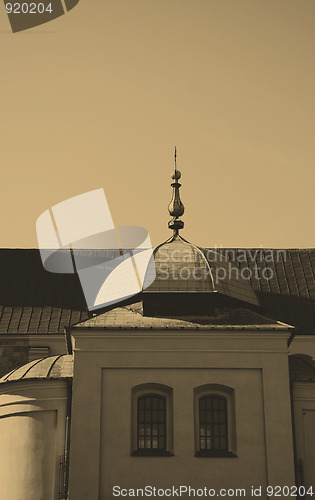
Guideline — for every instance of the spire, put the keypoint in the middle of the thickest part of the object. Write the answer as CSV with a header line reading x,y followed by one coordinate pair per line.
x,y
176,208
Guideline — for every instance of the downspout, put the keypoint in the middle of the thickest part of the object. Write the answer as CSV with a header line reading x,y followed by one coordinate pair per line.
x,y
68,420
67,440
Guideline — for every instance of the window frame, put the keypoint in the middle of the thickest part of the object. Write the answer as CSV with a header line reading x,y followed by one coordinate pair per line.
x,y
227,393
147,390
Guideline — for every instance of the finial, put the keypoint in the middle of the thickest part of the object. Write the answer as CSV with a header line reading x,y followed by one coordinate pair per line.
x,y
176,208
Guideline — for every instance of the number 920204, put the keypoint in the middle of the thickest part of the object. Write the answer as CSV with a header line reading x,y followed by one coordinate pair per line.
x,y
25,8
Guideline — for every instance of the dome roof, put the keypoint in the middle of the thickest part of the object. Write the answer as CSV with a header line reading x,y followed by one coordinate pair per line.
x,y
53,367
183,267
180,267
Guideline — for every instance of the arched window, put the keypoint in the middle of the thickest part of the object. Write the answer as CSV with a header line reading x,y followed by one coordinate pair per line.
x,y
214,421
152,420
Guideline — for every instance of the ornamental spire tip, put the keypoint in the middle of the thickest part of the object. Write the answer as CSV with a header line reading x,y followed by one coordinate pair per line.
x,y
176,207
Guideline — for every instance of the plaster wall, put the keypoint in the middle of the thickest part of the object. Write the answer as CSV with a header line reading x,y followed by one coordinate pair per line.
x,y
108,363
118,467
304,423
32,438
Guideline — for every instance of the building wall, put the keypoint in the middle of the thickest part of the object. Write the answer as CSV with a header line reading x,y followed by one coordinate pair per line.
x,y
17,350
118,467
32,439
107,364
13,353
303,396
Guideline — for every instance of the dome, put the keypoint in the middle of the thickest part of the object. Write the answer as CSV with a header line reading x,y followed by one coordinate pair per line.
x,y
53,367
184,269
181,267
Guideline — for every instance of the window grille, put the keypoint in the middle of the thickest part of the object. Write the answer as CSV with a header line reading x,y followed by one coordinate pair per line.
x,y
151,422
213,434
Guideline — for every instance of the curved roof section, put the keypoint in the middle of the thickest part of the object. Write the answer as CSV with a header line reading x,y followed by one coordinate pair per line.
x,y
183,267
302,367
53,367
180,267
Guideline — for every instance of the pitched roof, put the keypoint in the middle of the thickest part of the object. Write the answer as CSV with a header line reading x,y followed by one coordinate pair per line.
x,y
34,301
131,317
288,294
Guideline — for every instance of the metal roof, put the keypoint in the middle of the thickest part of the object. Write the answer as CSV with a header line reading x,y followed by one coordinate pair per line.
x,y
53,367
132,317
180,267
183,267
288,294
34,301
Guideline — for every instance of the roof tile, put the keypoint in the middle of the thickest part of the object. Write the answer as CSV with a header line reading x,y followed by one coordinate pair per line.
x,y
35,301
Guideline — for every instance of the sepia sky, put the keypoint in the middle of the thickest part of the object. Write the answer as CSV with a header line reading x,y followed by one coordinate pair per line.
x,y
100,97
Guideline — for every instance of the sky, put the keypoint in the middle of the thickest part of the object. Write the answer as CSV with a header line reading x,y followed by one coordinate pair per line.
x,y
100,96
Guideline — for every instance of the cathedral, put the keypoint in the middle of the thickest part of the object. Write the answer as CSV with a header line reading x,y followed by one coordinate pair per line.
x,y
201,385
